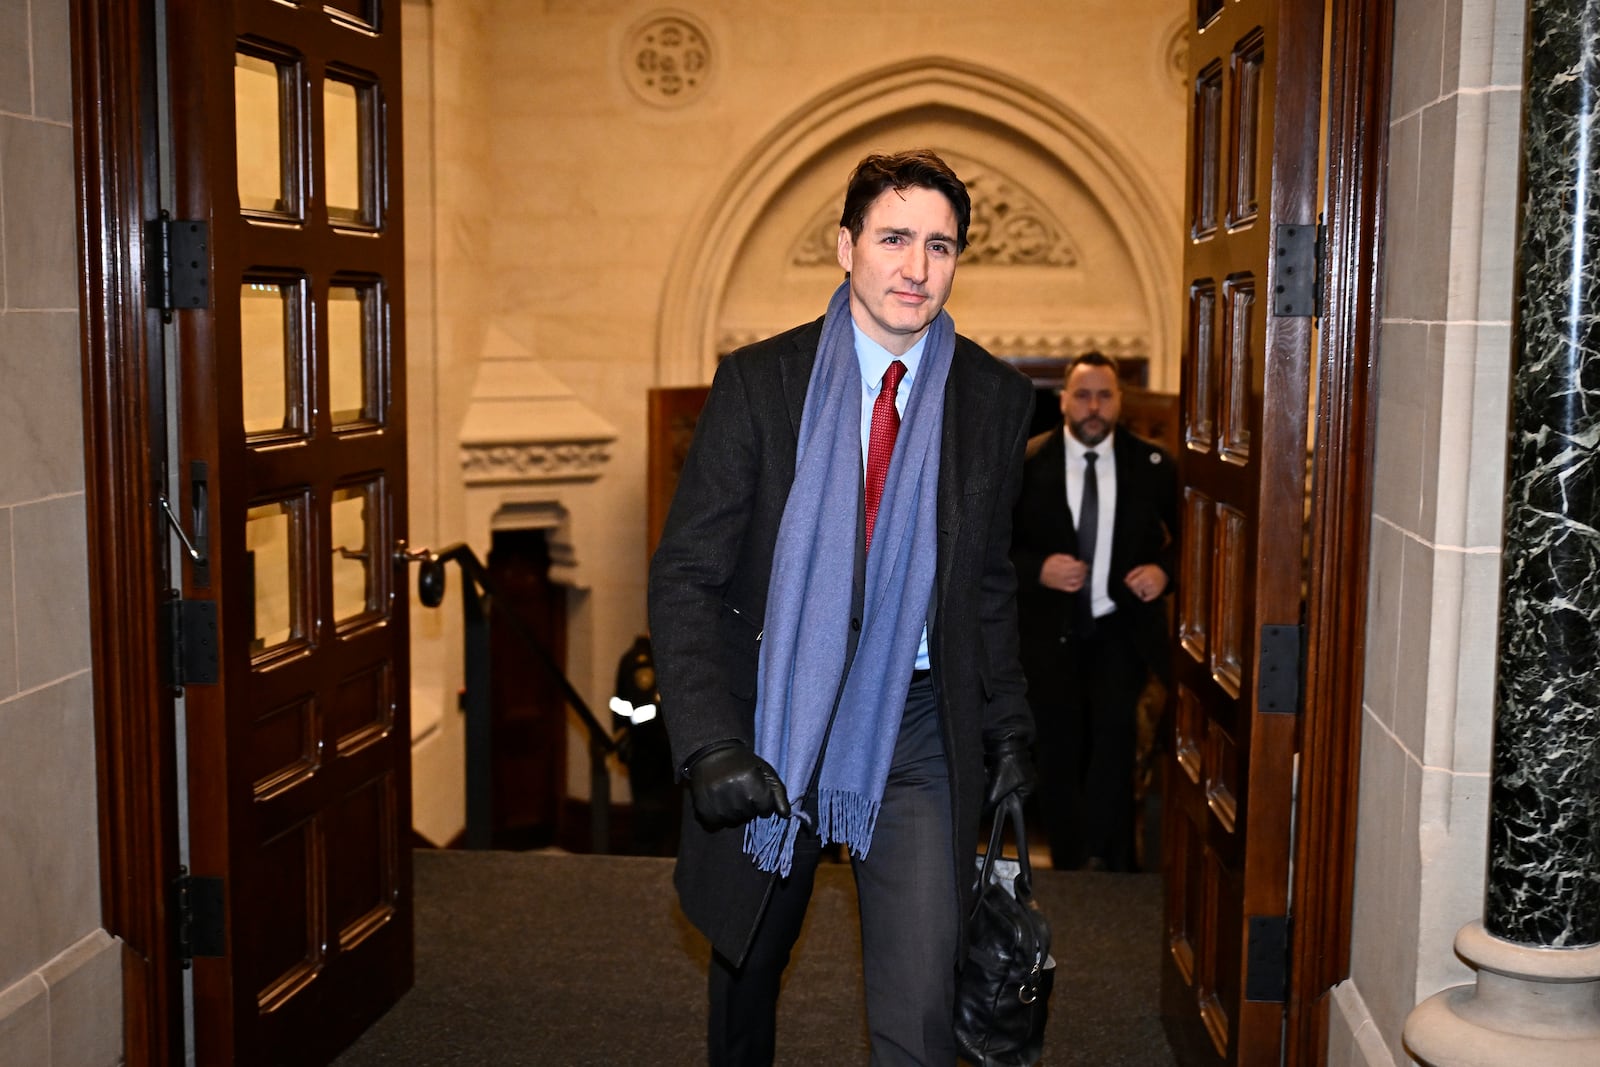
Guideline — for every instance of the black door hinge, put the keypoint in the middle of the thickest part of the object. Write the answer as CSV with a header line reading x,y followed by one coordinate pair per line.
x,y
1297,257
1278,676
1266,976
177,265
191,629
197,906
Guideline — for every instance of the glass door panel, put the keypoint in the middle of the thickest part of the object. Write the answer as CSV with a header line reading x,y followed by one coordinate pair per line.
x,y
356,529
352,348
363,13
265,89
272,355
273,535
348,111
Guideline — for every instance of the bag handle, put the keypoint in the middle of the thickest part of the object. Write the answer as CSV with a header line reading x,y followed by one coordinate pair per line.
x,y
1008,810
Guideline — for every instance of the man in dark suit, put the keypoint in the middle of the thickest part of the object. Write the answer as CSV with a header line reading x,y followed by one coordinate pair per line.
x,y
833,610
1094,548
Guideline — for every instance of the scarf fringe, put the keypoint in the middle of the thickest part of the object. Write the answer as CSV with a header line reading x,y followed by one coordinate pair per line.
x,y
848,818
843,815
769,840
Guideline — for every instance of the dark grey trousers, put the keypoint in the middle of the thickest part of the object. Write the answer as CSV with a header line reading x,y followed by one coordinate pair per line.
x,y
909,923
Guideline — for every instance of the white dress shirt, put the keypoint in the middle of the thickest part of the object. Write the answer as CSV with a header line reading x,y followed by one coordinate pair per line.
x,y
1105,474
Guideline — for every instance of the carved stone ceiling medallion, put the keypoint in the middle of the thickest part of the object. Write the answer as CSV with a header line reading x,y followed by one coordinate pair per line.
x,y
666,59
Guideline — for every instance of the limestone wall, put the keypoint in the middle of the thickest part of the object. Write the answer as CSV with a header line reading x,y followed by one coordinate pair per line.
x,y
60,973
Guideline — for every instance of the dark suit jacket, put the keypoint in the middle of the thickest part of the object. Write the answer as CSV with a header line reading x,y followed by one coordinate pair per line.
x,y
709,577
1144,530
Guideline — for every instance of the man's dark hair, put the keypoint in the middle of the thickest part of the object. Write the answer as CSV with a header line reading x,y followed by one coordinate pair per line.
x,y
920,168
1091,358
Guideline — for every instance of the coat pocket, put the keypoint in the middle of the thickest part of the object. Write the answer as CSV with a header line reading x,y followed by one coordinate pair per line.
x,y
741,643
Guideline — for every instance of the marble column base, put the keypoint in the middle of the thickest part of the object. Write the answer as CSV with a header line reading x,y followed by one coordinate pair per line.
x,y
1530,1006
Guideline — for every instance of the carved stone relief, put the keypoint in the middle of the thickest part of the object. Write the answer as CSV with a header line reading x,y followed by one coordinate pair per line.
x,y
666,59
534,462
1175,54
1010,226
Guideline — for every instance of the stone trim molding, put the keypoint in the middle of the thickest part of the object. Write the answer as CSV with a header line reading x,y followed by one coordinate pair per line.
x,y
1005,346
533,461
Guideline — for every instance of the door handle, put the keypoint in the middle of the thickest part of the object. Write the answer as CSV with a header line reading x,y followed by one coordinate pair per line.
x,y
430,579
177,527
199,498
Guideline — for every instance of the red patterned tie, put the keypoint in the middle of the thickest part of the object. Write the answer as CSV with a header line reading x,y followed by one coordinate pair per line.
x,y
880,445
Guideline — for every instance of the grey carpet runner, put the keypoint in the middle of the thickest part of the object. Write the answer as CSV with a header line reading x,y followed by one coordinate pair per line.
x,y
546,958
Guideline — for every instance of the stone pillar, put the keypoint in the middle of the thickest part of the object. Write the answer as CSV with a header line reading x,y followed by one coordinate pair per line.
x,y
1537,950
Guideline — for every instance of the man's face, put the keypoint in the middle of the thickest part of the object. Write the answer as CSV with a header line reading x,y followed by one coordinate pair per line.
x,y
903,265
1090,403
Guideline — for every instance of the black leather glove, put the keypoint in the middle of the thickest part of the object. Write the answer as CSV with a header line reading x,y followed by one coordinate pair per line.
x,y
1010,772
731,785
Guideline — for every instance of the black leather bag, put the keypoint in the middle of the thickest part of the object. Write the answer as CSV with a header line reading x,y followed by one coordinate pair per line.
x,y
1004,991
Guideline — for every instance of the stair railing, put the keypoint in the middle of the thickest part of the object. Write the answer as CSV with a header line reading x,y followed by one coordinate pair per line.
x,y
477,597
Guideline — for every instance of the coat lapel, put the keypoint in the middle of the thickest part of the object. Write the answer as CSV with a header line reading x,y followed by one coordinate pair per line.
x,y
795,365
1127,494
1051,465
968,404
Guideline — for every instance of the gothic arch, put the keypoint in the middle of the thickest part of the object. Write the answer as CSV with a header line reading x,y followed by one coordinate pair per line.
x,y
1147,222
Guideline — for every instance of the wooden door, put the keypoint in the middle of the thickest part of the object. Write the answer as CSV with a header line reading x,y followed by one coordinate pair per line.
x,y
528,710
1255,80
291,393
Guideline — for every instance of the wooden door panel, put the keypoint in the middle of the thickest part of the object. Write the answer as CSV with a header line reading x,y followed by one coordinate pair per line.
x,y
673,414
1206,146
1254,67
1230,607
1244,136
1241,382
1200,363
286,130
361,711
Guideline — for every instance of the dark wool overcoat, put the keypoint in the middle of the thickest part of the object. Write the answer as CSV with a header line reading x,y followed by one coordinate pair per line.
x,y
710,573
1143,530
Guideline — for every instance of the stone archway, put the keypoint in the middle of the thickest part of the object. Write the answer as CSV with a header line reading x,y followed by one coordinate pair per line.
x,y
962,97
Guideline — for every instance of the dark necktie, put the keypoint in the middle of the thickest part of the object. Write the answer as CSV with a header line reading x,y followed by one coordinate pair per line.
x,y
1088,527
880,445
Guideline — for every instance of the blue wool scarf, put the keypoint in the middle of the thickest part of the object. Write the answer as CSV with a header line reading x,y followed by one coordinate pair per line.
x,y
802,683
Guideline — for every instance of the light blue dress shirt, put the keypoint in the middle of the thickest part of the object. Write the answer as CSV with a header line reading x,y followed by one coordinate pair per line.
x,y
875,360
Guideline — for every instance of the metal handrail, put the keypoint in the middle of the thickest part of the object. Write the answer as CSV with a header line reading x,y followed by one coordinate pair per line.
x,y
430,589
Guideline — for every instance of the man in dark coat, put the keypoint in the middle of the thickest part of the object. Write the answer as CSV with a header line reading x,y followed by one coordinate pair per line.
x,y
1094,622
825,679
